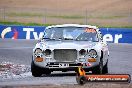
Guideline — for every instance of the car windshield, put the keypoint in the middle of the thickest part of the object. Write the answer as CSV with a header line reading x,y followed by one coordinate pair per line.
x,y
71,33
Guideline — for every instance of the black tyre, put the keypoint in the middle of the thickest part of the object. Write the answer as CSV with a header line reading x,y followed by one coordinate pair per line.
x,y
35,70
46,71
105,68
99,68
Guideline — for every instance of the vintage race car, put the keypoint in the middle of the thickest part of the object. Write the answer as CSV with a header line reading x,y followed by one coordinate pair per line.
x,y
68,46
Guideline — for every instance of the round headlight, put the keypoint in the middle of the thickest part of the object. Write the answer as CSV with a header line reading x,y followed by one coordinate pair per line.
x,y
92,53
38,52
82,52
47,52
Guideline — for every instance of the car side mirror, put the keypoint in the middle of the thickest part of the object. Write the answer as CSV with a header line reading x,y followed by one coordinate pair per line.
x,y
41,39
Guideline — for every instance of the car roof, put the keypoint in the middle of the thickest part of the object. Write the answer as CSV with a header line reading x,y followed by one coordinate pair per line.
x,y
72,25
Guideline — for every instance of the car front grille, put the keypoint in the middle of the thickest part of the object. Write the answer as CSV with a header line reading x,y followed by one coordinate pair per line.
x,y
61,55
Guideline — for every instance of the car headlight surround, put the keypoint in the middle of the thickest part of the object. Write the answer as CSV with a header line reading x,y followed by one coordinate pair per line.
x,y
82,52
38,52
47,52
93,53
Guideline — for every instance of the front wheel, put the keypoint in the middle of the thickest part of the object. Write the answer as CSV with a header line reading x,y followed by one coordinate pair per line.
x,y
99,68
47,72
105,68
35,70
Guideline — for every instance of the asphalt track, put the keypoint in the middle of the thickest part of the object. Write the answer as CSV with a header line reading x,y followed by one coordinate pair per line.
x,y
20,51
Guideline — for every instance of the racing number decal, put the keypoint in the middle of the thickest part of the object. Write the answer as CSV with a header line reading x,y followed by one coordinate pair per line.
x,y
90,30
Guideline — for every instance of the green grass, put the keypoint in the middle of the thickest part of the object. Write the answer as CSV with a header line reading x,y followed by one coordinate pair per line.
x,y
44,15
106,17
25,14
68,17
77,16
38,24
23,24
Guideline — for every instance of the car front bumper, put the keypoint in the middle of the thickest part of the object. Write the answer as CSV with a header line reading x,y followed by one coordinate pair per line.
x,y
66,66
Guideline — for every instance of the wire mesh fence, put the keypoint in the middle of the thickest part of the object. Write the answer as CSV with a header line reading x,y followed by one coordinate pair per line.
x,y
59,16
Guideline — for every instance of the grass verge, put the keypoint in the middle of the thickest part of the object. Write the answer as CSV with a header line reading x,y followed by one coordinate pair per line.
x,y
45,15
38,24
22,24
75,16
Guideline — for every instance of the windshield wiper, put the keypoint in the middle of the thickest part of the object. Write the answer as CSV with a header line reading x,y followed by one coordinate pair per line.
x,y
68,39
56,39
50,38
86,40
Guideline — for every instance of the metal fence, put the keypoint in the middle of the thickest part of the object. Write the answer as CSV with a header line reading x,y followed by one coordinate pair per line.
x,y
50,16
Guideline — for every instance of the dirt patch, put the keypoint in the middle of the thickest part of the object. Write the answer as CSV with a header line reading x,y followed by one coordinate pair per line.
x,y
94,12
10,70
91,5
